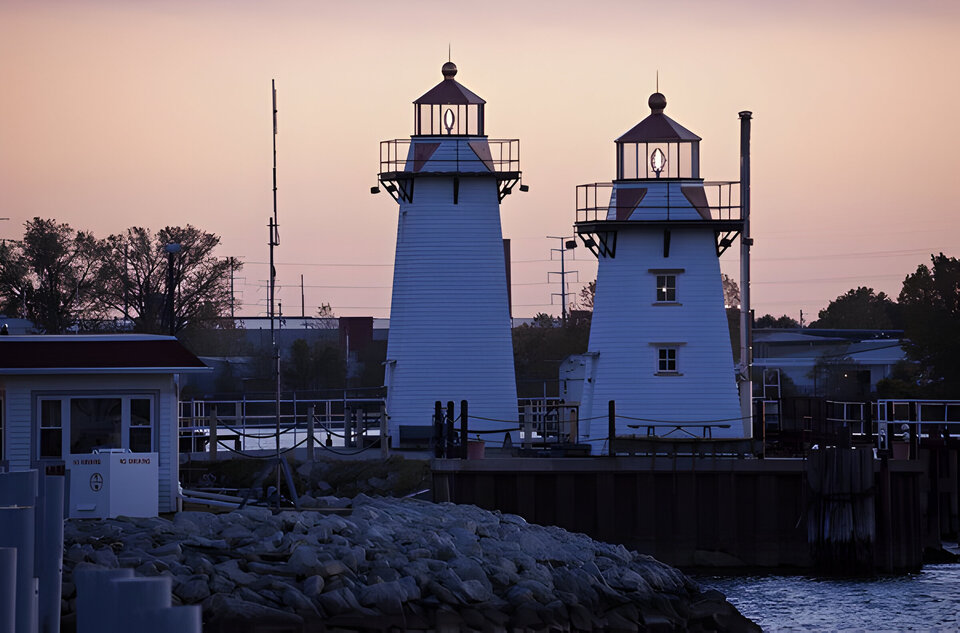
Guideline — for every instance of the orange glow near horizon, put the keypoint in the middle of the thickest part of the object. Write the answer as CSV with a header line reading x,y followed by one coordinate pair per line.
x,y
117,114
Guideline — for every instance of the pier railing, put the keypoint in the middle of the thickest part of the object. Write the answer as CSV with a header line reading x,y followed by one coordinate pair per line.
x,y
247,425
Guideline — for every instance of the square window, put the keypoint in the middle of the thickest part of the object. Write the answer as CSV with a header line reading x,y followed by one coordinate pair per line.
x,y
667,359
94,423
666,288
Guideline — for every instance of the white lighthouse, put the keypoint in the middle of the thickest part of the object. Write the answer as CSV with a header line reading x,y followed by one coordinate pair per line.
x,y
659,339
450,334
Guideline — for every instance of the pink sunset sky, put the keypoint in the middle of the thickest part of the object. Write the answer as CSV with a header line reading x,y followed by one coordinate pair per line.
x,y
116,114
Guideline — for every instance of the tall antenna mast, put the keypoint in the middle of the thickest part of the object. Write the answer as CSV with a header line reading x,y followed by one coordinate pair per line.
x,y
274,242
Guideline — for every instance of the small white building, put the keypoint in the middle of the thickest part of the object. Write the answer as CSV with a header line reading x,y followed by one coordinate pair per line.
x,y
64,396
659,340
450,336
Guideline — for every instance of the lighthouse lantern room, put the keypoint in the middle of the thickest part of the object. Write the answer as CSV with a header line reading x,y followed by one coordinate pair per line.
x,y
659,339
449,317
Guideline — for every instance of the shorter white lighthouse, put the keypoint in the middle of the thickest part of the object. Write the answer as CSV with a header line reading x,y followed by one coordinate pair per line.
x,y
450,334
659,339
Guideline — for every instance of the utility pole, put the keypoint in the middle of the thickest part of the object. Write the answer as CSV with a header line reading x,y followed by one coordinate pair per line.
x,y
303,307
567,243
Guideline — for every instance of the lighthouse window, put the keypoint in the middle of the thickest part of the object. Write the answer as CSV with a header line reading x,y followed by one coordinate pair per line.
x,y
666,288
667,359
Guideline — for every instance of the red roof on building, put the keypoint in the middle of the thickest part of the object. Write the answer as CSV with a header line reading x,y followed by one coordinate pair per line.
x,y
95,354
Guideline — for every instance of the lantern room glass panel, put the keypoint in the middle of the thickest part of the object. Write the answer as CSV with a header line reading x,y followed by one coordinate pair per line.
x,y
436,119
649,161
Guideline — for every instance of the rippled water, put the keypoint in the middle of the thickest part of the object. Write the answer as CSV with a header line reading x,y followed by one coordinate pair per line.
x,y
927,601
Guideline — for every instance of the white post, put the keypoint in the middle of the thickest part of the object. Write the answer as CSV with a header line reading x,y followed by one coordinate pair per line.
x,y
173,620
49,562
95,608
310,437
212,424
18,496
8,589
138,599
528,426
384,437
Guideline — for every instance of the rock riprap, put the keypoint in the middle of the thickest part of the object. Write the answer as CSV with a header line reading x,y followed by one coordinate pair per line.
x,y
404,564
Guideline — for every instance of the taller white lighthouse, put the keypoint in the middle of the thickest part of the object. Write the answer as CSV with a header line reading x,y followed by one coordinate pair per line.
x,y
450,336
659,339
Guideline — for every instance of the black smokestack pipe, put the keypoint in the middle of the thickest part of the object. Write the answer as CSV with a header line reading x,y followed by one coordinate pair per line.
x,y
746,348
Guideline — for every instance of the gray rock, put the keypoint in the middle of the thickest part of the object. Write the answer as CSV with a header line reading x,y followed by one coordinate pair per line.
x,y
231,570
168,549
385,597
303,560
221,584
193,590
105,558
330,568
339,601
223,607
313,586
300,603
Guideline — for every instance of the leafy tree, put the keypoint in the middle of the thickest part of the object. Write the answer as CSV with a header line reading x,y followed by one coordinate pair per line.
x,y
860,309
539,348
49,276
906,380
770,321
320,366
731,291
14,284
930,300
133,278
584,299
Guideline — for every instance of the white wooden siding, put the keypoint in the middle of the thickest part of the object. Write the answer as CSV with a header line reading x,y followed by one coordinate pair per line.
x,y
22,429
449,319
627,324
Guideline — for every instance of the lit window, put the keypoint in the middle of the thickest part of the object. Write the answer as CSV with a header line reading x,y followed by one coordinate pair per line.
x,y
666,288
667,359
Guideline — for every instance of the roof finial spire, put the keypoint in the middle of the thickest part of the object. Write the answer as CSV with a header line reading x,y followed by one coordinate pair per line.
x,y
658,80
448,52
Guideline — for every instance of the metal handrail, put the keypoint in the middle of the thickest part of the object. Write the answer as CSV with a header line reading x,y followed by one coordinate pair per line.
x,y
505,156
723,198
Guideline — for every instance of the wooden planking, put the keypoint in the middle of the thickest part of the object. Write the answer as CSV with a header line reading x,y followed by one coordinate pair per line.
x,y
449,257
745,508
627,324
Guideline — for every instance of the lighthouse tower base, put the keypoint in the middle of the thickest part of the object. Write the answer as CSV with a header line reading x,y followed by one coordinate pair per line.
x,y
450,334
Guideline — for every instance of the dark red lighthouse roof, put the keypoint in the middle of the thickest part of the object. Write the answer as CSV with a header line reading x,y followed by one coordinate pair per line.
x,y
449,91
658,127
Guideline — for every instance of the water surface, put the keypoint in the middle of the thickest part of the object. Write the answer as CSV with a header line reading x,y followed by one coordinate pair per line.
x,y
926,601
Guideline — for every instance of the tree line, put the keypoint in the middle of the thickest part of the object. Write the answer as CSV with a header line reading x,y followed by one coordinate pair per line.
x,y
66,280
